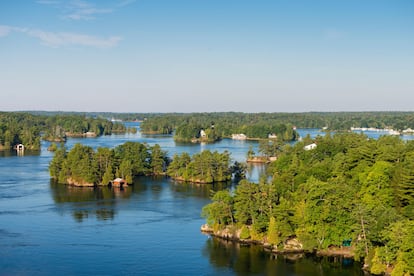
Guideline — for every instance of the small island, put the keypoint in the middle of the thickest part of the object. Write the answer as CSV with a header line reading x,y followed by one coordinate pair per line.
x,y
82,166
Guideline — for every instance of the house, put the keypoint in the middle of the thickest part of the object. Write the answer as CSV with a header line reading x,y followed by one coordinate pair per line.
x,y
203,134
272,136
239,136
90,134
119,182
310,146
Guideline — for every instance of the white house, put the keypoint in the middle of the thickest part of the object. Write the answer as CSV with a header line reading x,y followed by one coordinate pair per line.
x,y
272,136
310,146
239,136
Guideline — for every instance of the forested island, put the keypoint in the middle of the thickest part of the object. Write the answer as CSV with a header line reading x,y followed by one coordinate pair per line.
x,y
348,193
82,166
260,125
28,129
210,127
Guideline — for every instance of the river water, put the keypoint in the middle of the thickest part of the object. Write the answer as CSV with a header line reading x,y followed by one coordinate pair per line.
x,y
150,228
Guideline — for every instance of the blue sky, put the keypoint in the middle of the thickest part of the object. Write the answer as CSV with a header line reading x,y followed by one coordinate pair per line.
x,y
207,55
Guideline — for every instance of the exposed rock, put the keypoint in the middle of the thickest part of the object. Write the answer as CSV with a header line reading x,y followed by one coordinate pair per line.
x,y
73,182
205,228
292,244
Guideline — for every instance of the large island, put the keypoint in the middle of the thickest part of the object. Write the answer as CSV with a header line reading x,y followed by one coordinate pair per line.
x,y
345,195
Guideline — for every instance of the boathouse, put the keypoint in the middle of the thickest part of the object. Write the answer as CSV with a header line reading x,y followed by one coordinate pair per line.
x,y
19,147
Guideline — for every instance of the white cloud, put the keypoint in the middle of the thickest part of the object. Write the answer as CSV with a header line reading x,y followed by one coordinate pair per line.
x,y
5,30
65,39
82,10
60,39
86,14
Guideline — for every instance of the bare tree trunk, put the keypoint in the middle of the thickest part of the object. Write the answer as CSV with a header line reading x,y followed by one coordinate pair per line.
x,y
364,234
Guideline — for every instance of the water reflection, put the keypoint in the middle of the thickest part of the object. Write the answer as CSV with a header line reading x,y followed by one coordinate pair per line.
x,y
152,193
89,201
251,259
12,153
198,190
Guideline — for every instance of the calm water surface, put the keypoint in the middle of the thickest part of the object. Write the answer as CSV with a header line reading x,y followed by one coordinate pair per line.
x,y
150,228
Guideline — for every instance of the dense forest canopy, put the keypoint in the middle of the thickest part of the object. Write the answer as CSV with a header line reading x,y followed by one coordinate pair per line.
x,y
28,129
218,125
347,188
167,122
85,167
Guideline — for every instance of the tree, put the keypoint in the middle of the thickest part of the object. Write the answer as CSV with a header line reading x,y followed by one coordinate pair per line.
x,y
125,170
219,213
108,175
158,160
56,164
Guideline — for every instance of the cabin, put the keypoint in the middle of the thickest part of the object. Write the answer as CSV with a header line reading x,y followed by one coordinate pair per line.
x,y
203,134
119,182
310,146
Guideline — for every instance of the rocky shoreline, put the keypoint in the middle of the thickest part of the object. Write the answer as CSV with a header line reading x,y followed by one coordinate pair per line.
x,y
290,246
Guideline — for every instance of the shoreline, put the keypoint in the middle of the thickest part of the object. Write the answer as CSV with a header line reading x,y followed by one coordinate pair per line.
x,y
291,246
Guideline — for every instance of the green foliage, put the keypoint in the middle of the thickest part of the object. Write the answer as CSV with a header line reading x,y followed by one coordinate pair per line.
x,y
26,128
204,167
348,188
244,232
19,128
56,165
158,160
108,175
138,156
217,125
84,165
220,211
259,125
377,266
273,233
125,170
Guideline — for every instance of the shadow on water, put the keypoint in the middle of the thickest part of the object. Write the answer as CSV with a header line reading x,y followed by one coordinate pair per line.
x,y
88,201
150,193
198,190
12,153
254,260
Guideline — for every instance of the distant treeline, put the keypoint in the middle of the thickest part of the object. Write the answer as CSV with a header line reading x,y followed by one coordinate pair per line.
x,y
83,166
104,115
28,129
187,127
165,123
347,189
